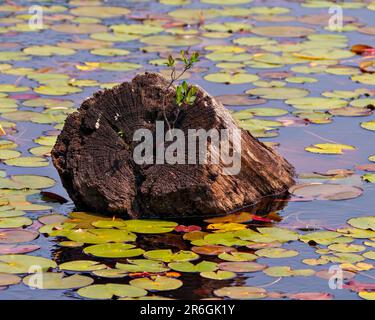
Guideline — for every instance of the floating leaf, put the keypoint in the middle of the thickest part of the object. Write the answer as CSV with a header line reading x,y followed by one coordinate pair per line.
x,y
227,78
367,295
113,250
149,226
17,236
310,296
212,250
321,191
344,247
237,256
369,177
276,253
15,222
57,281
241,266
110,273
14,249
282,31
203,266
81,265
363,222
9,279
218,275
369,125
166,255
241,293
107,291
286,271
20,263
278,93
97,236
142,265
157,283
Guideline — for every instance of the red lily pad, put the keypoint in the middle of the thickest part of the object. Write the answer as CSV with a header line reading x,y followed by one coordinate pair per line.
x,y
13,249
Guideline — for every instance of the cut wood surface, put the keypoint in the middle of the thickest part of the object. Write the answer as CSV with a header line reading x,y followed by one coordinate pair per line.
x,y
96,165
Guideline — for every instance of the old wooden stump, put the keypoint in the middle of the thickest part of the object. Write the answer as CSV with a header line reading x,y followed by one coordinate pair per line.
x,y
94,157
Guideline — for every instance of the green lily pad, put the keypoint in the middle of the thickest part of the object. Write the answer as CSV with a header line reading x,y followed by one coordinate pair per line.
x,y
202,266
369,125
142,265
276,253
82,265
316,103
278,93
149,226
237,256
218,275
285,271
166,255
24,181
15,222
344,247
56,281
21,263
172,41
97,236
140,29
157,283
369,255
47,50
110,273
113,250
27,162
9,154
228,78
109,290
363,222
369,177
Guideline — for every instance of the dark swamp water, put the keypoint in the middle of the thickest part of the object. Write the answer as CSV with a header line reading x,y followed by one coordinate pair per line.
x,y
315,61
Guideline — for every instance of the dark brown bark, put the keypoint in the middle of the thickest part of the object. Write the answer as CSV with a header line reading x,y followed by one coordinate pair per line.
x,y
96,163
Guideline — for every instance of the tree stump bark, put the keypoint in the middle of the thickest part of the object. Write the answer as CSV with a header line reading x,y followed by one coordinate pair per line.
x,y
96,165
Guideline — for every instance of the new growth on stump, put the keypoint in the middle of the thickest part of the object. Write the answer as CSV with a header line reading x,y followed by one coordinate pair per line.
x,y
94,153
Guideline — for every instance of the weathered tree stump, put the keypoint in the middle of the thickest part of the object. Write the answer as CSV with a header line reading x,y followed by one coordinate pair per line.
x,y
94,157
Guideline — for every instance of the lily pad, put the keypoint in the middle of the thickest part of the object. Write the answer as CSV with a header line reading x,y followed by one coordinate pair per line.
x,y
109,290
113,250
15,222
218,275
82,265
166,255
276,253
286,271
203,266
149,226
237,256
157,283
20,263
321,191
142,265
17,236
278,93
363,222
97,236
241,266
56,281
241,293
